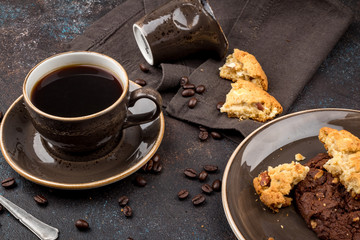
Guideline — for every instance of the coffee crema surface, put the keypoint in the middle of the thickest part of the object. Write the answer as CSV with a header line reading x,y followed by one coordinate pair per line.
x,y
75,91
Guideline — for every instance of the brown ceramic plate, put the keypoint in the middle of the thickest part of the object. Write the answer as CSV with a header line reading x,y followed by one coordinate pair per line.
x,y
25,153
274,143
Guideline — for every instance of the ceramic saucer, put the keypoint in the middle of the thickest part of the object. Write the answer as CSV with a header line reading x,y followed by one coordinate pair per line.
x,y
24,151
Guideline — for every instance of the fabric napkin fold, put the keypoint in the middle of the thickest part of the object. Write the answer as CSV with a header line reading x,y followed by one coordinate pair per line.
x,y
289,38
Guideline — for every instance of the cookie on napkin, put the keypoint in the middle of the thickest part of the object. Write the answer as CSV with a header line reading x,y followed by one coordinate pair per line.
x,y
245,100
242,65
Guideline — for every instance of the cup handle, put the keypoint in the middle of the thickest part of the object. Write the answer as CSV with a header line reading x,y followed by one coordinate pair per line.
x,y
136,119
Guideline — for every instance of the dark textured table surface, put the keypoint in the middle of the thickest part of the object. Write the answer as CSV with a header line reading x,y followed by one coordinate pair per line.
x,y
33,30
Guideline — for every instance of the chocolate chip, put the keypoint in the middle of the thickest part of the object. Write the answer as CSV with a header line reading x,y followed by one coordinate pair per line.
x,y
260,106
200,89
143,67
203,135
123,201
216,185
8,183
206,188
140,81
264,179
192,102
127,211
198,199
190,173
82,224
210,168
188,92
188,86
140,181
203,175
219,105
41,200
216,135
184,80
182,194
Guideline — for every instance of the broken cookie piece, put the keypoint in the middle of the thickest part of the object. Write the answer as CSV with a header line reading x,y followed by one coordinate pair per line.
x,y
246,100
242,65
344,150
274,185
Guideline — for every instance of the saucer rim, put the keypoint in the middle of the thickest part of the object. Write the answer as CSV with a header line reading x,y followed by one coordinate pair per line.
x,y
77,186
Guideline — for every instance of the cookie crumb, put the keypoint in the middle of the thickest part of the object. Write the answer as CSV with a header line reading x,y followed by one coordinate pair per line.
x,y
299,157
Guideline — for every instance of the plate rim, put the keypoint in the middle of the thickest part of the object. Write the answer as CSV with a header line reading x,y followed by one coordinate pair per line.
x,y
89,184
225,204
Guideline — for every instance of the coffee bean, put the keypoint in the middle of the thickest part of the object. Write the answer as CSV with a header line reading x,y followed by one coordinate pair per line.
x,y
156,158
123,201
140,181
190,173
203,175
198,199
201,128
206,188
216,135
183,194
188,93
149,165
192,102
216,185
140,81
143,67
82,224
203,135
1,208
210,168
127,211
157,167
188,86
219,105
200,89
8,183
184,80
41,200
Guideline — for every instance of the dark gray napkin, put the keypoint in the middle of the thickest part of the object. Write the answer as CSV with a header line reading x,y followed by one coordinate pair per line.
x,y
289,38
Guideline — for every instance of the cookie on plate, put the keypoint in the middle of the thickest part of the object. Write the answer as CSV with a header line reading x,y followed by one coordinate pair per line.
x,y
246,100
344,150
242,65
274,185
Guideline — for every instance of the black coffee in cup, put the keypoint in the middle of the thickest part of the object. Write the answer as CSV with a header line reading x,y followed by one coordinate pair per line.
x,y
76,90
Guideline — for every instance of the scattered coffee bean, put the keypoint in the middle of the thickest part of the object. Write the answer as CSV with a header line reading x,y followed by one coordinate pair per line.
x,y
203,175
216,135
206,188
200,89
8,183
192,102
156,158
1,208
201,128
203,135
190,173
184,80
216,185
143,67
183,194
82,224
189,86
157,167
41,200
198,199
259,106
210,168
123,201
219,105
188,92
127,211
149,165
140,181
140,81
